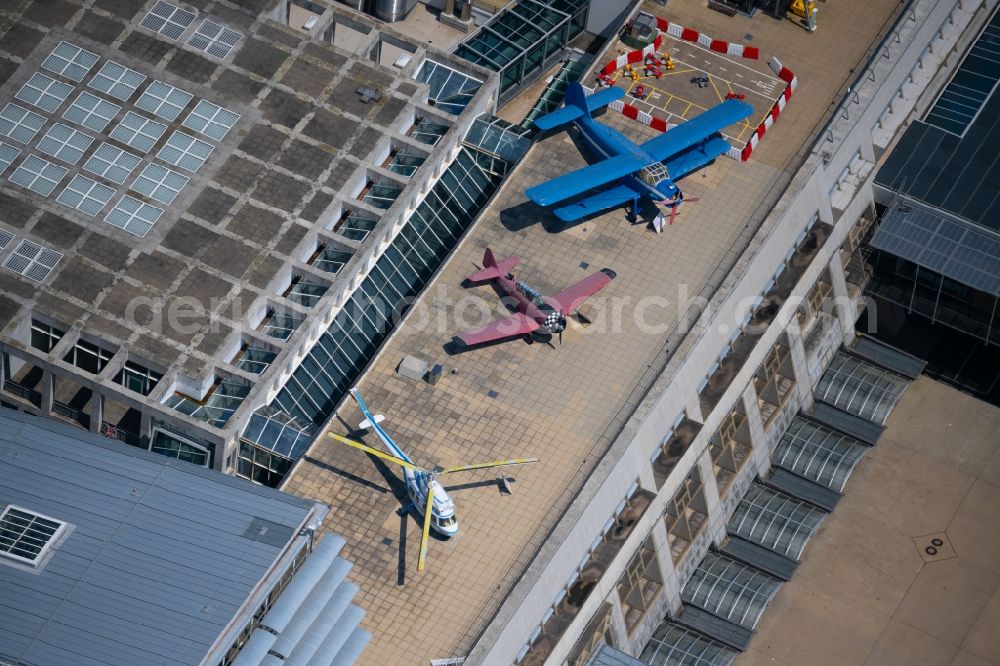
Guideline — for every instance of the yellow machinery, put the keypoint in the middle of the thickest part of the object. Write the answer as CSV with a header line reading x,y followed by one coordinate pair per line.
x,y
805,9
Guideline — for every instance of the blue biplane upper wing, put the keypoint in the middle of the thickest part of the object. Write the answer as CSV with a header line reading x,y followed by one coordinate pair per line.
x,y
696,157
696,130
581,180
602,200
574,109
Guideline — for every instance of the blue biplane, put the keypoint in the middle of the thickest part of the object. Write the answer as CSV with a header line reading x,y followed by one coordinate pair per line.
x,y
634,171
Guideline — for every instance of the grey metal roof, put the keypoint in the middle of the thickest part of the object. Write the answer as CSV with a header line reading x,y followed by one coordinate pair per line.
x,y
803,489
714,627
949,160
609,656
933,241
161,556
860,429
972,84
888,357
759,557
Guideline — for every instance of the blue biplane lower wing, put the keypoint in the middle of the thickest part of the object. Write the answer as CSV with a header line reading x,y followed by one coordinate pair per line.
x,y
603,97
579,181
694,158
567,114
602,200
694,131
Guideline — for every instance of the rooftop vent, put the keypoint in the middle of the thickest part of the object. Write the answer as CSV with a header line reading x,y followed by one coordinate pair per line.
x,y
27,537
368,94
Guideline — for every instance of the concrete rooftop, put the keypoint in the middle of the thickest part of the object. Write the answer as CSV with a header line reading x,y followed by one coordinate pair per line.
x,y
255,212
868,591
560,404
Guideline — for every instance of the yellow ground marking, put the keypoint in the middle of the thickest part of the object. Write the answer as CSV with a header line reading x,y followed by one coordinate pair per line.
x,y
744,126
711,79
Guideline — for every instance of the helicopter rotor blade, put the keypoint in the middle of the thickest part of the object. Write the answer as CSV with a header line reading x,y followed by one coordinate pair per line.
x,y
496,463
422,558
375,452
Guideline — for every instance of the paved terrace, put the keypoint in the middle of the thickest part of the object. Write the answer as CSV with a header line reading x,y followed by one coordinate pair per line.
x,y
868,591
561,404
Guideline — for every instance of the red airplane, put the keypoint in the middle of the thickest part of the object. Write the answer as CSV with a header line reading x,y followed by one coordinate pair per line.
x,y
535,313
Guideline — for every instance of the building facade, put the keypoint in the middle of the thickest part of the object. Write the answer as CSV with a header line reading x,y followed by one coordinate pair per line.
x,y
350,168
724,428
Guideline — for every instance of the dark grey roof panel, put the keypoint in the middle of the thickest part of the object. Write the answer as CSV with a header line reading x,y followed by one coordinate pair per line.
x,y
766,560
860,429
610,656
714,627
958,174
888,357
135,459
792,484
937,243
158,561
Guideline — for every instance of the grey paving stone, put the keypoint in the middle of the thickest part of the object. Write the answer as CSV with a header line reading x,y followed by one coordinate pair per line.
x,y
259,57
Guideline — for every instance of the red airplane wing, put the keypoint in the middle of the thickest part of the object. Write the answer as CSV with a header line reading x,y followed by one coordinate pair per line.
x,y
516,324
571,298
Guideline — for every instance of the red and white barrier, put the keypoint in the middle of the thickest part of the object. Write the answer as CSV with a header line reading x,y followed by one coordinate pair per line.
x,y
718,45
791,82
688,35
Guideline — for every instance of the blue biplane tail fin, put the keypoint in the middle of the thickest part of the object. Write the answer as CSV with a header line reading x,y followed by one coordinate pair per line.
x,y
576,96
578,104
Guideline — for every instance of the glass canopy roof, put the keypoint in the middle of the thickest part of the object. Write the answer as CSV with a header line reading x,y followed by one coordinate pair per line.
x,y
860,388
775,521
818,453
523,38
499,137
284,434
932,240
673,645
732,591
450,89
218,407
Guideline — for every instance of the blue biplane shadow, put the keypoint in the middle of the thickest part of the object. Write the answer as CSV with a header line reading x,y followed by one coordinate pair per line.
x,y
628,172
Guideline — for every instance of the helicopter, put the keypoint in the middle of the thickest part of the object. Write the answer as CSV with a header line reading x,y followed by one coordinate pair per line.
x,y
427,495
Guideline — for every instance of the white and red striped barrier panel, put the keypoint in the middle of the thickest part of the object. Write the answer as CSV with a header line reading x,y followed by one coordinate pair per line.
x,y
718,45
791,82
687,34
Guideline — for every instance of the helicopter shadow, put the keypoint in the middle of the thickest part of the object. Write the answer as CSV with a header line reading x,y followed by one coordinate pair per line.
x,y
396,486
481,484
